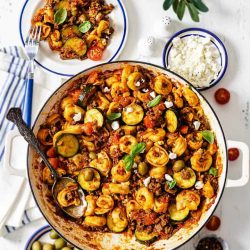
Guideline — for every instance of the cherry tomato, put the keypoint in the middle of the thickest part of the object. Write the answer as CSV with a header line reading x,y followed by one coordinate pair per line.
x,y
222,96
149,122
95,53
233,154
184,129
88,128
51,152
54,162
214,223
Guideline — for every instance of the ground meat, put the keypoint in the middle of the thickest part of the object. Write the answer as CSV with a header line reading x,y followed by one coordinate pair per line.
x,y
155,187
185,174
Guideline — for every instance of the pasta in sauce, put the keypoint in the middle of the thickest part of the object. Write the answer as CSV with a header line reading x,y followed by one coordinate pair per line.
x,y
158,193
83,33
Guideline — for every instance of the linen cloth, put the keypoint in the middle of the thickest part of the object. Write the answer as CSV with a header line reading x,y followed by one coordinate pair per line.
x,y
15,191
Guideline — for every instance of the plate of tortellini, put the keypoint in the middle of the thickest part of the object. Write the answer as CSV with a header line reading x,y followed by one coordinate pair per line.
x,y
75,34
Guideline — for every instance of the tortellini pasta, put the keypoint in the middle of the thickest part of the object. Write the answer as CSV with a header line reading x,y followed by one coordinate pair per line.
x,y
180,146
162,85
102,163
157,156
189,199
201,160
116,188
145,198
118,172
126,143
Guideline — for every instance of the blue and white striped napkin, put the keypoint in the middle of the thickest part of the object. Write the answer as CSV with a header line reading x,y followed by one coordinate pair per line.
x,y
13,70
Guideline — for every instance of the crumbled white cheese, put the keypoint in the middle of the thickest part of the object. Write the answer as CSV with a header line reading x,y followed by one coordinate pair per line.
x,y
146,181
138,84
168,177
77,117
106,90
135,171
152,94
199,185
172,156
115,125
145,90
128,109
168,104
196,125
134,165
39,159
196,59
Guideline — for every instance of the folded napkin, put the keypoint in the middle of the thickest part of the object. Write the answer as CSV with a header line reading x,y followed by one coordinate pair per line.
x,y
15,191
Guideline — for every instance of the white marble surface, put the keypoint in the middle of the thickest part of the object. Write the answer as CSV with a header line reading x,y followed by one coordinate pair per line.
x,y
230,20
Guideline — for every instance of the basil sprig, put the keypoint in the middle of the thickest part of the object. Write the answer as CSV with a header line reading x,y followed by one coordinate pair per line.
x,y
213,171
85,26
129,159
171,184
179,7
113,116
208,136
60,16
154,102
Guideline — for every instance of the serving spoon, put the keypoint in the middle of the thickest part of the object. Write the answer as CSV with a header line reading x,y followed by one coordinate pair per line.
x,y
15,115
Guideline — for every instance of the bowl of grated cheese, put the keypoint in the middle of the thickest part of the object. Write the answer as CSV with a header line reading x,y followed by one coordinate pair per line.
x,y
197,55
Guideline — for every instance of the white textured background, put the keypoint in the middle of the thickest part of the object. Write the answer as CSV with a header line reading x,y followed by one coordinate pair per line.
x,y
230,20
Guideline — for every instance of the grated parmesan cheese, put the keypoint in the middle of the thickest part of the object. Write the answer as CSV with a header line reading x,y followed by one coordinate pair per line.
x,y
77,117
196,59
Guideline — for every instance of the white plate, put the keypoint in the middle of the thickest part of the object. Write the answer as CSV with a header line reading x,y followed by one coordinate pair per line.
x,y
217,44
51,61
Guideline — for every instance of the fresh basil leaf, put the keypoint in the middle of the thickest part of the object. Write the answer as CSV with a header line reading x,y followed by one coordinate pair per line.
x,y
113,116
85,26
208,136
175,5
213,171
171,184
181,9
167,4
60,16
128,162
138,148
200,5
154,102
194,13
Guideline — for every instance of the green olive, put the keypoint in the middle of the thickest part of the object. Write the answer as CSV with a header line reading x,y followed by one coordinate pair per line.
x,y
59,243
178,165
37,245
48,246
66,248
53,234
92,155
88,174
142,168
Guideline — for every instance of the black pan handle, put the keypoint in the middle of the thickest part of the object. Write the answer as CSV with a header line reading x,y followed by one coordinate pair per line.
x,y
15,115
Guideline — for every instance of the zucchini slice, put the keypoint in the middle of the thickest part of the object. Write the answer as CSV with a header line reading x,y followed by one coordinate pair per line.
x,y
144,236
94,115
86,94
177,215
67,145
75,45
171,120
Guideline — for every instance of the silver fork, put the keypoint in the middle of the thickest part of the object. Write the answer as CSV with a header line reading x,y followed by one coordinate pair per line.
x,y
31,47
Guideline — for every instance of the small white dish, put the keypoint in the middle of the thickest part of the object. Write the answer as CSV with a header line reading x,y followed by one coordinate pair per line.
x,y
51,61
217,43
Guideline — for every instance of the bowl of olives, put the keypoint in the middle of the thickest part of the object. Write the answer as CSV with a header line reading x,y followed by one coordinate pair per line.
x,y
47,239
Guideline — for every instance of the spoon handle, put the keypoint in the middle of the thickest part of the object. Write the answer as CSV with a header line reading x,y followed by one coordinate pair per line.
x,y
15,115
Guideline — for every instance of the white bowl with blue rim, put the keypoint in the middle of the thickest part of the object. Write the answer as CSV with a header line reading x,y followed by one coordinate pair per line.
x,y
216,43
42,235
51,61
